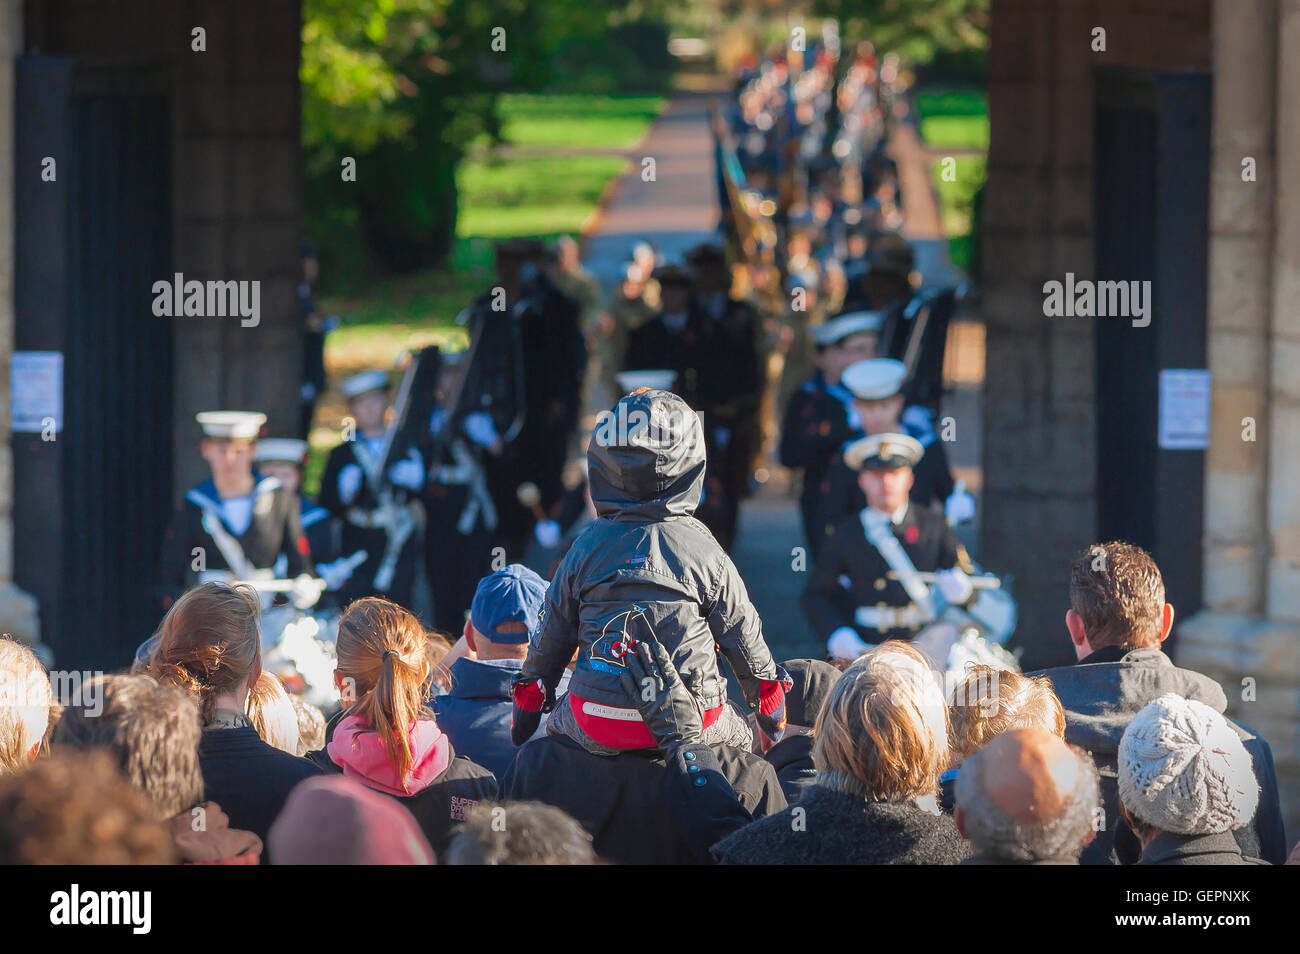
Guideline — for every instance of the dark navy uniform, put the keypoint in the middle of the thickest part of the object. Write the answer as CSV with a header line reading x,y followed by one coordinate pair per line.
x,y
274,532
380,514
461,518
817,425
847,557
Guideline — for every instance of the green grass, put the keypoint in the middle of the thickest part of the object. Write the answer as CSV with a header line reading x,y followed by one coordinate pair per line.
x,y
535,196
612,122
957,119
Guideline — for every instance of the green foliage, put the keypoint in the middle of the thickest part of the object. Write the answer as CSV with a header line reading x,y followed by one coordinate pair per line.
x,y
915,29
614,122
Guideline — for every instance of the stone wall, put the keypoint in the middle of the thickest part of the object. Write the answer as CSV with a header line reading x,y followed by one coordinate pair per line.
x,y
236,180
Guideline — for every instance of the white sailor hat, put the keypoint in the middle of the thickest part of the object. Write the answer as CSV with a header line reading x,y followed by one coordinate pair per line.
x,y
231,425
661,380
883,452
841,326
280,448
874,379
359,384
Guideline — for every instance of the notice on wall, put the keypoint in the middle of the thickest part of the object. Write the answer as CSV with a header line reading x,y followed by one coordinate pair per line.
x,y
1184,409
36,391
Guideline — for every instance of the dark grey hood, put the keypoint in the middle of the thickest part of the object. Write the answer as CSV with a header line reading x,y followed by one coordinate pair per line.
x,y
1101,699
646,458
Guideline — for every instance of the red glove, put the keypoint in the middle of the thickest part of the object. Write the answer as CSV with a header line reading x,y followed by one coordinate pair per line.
x,y
771,704
528,698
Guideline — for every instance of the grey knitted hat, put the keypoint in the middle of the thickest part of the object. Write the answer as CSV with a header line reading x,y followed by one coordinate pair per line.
x,y
1183,769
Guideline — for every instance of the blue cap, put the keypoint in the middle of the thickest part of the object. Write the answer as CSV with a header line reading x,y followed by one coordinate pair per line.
x,y
513,594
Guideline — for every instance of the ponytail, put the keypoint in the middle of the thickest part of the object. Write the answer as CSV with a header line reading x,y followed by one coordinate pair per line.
x,y
381,649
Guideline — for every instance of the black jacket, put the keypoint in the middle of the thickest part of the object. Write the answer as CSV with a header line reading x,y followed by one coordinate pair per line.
x,y
248,778
793,761
1101,695
647,568
835,828
443,803
840,494
619,799
815,429
1170,848
928,542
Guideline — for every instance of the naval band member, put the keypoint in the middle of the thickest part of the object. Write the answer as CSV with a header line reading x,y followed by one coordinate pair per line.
x,y
820,418
378,507
859,592
237,525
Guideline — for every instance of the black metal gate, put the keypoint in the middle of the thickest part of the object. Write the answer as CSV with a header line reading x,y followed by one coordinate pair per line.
x,y
91,506
1151,194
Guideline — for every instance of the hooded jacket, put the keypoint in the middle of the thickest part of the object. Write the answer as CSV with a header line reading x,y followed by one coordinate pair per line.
x,y
647,567
440,787
1101,695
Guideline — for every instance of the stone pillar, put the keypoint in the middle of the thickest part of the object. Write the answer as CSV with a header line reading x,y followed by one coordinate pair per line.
x,y
1248,636
18,610
1283,598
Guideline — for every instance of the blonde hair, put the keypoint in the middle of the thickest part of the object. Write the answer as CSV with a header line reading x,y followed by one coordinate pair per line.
x,y
272,714
209,643
883,731
25,702
989,701
382,649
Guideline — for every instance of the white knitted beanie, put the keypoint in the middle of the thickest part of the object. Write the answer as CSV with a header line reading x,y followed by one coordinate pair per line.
x,y
1183,769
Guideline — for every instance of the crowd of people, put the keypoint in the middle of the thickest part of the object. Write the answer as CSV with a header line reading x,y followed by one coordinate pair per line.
x,y
491,754
623,705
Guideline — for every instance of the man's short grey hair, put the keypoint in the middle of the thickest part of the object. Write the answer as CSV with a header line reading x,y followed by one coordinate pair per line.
x,y
996,835
519,833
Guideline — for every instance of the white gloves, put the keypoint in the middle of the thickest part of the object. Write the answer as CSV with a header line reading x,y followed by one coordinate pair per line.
x,y
955,586
408,472
349,482
479,428
960,506
845,643
306,591
335,574
547,533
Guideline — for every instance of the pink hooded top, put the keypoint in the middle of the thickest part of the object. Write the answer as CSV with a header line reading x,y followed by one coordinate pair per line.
x,y
359,752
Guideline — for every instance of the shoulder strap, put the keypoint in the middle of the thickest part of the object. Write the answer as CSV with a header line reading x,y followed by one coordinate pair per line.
x,y
881,536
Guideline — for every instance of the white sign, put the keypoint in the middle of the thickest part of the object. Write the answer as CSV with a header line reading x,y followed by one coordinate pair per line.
x,y
1184,409
35,391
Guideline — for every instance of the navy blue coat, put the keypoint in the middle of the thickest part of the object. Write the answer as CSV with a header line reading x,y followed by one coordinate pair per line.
x,y
476,713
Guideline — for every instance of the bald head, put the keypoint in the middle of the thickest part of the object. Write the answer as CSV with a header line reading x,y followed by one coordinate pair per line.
x,y
1030,774
1027,796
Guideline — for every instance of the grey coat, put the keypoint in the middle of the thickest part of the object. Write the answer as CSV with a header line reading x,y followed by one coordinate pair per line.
x,y
1101,695
646,567
828,827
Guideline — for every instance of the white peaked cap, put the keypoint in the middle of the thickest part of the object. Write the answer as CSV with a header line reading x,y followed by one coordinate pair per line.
x,y
231,425
281,448
365,381
874,379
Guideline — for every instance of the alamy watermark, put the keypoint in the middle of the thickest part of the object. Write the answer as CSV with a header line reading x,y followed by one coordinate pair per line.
x,y
1084,298
179,298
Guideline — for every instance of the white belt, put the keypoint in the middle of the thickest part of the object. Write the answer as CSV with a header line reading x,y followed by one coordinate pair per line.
x,y
891,617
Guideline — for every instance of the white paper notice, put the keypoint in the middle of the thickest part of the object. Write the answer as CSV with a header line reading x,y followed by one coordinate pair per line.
x,y
1184,409
36,391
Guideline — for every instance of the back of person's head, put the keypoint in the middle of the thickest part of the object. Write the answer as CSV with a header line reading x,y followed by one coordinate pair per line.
x,y
1184,769
151,730
988,701
272,714
1027,796
883,732
813,681
520,833
209,643
1117,590
332,820
382,663
311,725
75,808
505,610
25,701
